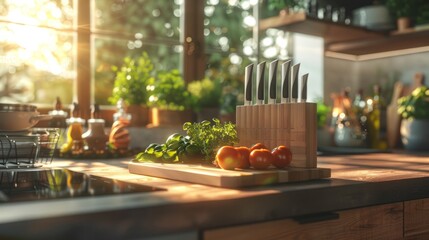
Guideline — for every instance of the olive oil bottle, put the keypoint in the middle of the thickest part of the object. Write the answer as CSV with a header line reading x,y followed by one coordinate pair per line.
x,y
376,108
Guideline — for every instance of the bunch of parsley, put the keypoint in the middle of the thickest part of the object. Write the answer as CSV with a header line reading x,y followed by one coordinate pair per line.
x,y
210,136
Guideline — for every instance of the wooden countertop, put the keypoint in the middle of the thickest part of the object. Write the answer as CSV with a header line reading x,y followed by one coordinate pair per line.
x,y
357,181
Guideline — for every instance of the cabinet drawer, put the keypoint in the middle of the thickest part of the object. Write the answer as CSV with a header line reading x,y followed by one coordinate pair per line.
x,y
416,217
375,222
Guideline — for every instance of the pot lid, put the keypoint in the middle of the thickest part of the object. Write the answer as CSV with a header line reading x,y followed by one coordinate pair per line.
x,y
9,107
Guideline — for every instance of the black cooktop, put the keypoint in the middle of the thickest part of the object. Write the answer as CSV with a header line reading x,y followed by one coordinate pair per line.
x,y
38,184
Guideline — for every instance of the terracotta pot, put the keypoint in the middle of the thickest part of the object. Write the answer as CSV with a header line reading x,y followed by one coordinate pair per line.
x,y
139,115
403,23
161,117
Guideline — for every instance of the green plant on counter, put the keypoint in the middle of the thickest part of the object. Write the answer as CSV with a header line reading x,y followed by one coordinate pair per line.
x,y
131,80
322,114
198,146
416,105
402,8
206,93
282,4
169,92
209,136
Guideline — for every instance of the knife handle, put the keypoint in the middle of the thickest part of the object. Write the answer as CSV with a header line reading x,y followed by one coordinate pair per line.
x,y
285,78
273,81
260,72
294,75
248,84
304,87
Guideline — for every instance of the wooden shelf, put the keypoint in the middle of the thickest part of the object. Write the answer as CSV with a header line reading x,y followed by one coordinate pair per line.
x,y
352,42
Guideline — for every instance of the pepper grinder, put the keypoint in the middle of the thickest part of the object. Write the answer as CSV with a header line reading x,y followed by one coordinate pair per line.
x,y
95,137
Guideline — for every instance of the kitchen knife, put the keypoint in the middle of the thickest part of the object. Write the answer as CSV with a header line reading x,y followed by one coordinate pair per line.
x,y
260,71
272,78
285,90
248,84
304,87
294,73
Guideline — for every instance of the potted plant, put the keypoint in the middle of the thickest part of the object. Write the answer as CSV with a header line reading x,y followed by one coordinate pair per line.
x,y
403,11
285,6
206,96
170,100
414,110
130,85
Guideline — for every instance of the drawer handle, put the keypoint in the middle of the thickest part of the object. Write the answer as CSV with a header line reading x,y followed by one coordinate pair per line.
x,y
316,217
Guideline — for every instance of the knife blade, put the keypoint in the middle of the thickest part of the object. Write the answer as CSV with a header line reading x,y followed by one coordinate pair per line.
x,y
294,73
260,71
272,74
248,84
304,87
285,88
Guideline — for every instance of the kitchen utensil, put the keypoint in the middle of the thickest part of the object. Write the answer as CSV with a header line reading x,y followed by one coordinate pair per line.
x,y
272,82
260,82
248,84
304,88
394,119
294,73
285,88
19,117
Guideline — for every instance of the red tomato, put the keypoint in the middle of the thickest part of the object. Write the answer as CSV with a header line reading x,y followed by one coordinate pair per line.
x,y
261,158
244,157
227,157
282,156
258,146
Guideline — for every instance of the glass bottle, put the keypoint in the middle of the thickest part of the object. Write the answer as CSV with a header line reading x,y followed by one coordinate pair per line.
x,y
74,142
377,120
95,137
359,106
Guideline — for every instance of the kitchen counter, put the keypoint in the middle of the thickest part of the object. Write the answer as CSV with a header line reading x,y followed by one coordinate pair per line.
x,y
186,209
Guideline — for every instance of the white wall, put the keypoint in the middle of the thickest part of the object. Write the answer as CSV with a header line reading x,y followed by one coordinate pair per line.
x,y
309,51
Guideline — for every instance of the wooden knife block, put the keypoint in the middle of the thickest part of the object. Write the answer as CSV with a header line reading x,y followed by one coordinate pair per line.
x,y
291,124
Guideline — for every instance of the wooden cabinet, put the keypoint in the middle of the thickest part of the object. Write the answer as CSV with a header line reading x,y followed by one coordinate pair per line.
x,y
416,219
342,39
375,222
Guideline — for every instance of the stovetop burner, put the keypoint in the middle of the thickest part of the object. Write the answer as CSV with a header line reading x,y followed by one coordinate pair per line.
x,y
38,184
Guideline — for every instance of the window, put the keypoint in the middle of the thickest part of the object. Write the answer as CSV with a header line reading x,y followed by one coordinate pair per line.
x,y
37,45
67,48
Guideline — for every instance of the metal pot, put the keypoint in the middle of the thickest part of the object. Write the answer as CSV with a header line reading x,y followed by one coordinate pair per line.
x,y
19,117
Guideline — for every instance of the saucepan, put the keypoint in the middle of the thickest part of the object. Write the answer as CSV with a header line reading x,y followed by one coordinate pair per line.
x,y
19,117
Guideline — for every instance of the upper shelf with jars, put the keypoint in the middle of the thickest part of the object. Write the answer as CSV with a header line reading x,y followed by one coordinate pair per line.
x,y
349,41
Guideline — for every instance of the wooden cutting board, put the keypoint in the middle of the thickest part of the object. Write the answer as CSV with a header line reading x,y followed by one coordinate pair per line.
x,y
226,178
393,118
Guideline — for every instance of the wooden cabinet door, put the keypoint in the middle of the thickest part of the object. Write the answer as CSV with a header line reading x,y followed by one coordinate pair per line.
x,y
416,219
375,222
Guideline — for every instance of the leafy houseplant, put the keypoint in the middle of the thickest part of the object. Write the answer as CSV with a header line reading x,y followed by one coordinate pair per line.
x,y
131,80
169,92
279,5
169,99
403,11
130,85
414,110
206,96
